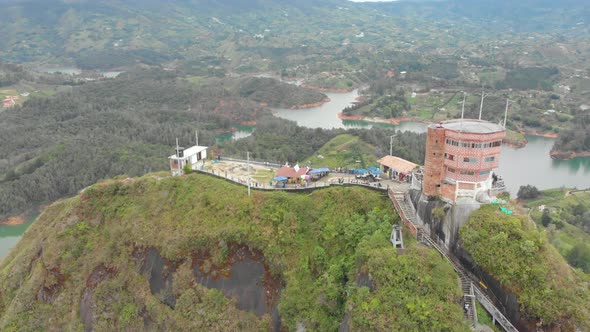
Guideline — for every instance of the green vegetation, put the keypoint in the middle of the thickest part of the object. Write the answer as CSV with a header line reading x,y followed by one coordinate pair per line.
x,y
278,94
517,255
528,192
484,318
283,141
566,218
326,81
121,126
575,140
410,291
317,244
529,79
343,150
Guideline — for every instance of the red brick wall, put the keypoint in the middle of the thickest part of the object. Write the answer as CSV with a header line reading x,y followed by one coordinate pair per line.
x,y
434,161
435,164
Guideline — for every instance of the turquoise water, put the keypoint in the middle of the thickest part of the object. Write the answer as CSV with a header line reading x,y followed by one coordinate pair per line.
x,y
241,132
9,236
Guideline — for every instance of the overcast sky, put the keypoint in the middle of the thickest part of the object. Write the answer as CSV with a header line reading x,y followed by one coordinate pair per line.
x,y
372,0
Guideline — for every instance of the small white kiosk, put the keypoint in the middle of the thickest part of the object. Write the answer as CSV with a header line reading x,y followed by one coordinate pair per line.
x,y
191,156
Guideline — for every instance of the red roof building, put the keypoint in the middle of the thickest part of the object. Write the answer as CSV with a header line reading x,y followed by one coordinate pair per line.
x,y
294,172
9,101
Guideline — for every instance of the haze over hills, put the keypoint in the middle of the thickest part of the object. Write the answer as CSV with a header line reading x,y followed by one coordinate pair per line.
x,y
125,31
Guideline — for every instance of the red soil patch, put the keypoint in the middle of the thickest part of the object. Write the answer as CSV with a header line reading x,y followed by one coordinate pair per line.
x,y
311,105
319,88
14,220
47,293
100,274
393,121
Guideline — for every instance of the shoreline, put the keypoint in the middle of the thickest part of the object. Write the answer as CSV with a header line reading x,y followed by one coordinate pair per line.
x,y
399,120
393,121
13,221
568,155
546,135
310,105
334,90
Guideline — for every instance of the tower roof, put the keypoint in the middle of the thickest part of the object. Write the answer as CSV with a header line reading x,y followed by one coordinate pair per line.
x,y
470,126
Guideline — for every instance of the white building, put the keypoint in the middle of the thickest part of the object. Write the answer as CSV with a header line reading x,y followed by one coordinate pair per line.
x,y
191,156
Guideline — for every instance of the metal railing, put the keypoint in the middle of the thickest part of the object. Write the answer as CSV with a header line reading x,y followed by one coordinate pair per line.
x,y
480,296
254,185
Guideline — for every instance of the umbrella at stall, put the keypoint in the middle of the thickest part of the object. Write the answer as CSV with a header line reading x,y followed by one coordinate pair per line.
x,y
374,170
319,170
280,178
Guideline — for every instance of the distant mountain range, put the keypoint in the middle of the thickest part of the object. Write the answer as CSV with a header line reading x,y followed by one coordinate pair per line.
x,y
127,31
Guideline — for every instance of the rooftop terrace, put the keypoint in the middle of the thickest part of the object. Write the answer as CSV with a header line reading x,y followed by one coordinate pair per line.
x,y
470,126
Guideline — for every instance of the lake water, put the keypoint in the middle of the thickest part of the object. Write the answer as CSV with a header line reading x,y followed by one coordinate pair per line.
x,y
72,71
64,70
326,115
533,165
9,236
241,132
529,165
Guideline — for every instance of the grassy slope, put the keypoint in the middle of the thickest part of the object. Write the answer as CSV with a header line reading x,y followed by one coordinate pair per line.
x,y
520,257
315,242
563,235
343,151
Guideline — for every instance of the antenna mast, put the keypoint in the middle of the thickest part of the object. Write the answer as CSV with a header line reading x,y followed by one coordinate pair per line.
x,y
463,110
481,104
178,157
463,107
506,112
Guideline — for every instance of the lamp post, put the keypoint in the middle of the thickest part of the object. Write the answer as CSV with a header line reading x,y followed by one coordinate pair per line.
x,y
391,143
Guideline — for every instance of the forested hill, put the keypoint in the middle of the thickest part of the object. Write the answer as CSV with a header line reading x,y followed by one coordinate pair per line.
x,y
195,253
278,94
53,147
574,141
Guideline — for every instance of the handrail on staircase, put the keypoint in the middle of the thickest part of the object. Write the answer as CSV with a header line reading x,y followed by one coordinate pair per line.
x,y
480,296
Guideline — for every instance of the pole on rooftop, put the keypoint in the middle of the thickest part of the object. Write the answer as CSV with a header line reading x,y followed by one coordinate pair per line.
x,y
178,157
391,143
463,110
248,157
483,95
506,112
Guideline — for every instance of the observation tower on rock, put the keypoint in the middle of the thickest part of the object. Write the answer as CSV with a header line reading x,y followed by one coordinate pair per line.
x,y
461,156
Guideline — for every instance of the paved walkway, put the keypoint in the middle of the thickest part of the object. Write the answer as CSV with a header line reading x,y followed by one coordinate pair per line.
x,y
261,176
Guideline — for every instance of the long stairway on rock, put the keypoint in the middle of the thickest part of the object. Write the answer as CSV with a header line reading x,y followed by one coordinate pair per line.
x,y
469,286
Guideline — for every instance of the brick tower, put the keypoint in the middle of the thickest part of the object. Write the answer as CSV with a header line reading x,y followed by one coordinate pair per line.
x,y
460,158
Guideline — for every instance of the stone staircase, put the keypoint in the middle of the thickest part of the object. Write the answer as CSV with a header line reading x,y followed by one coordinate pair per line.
x,y
469,307
471,291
